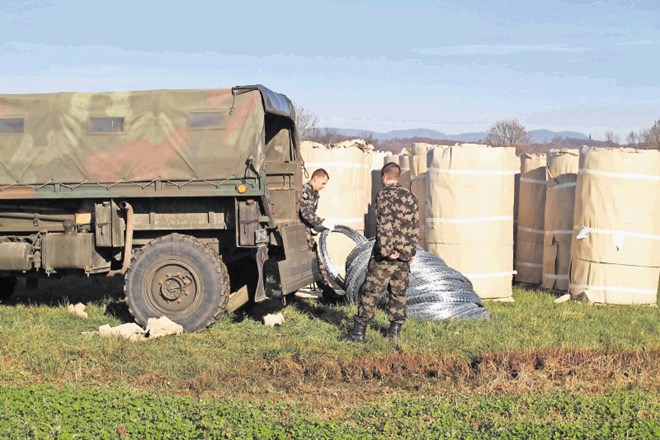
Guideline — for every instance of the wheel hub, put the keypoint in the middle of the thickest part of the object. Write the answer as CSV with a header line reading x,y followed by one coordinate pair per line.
x,y
175,285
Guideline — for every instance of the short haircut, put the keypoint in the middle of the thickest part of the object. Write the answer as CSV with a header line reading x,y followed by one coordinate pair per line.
x,y
320,172
391,170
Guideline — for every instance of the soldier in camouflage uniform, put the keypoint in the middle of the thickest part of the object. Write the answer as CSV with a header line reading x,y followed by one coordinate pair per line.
x,y
397,235
309,202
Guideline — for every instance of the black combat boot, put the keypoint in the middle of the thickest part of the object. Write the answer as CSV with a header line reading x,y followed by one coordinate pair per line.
x,y
394,331
357,334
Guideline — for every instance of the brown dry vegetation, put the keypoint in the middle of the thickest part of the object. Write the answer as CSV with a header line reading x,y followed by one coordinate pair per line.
x,y
333,386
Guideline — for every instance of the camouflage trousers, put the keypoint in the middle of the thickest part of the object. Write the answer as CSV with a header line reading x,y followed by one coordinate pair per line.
x,y
310,239
384,274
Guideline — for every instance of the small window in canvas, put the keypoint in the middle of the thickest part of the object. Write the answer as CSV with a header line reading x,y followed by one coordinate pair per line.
x,y
11,125
202,120
106,125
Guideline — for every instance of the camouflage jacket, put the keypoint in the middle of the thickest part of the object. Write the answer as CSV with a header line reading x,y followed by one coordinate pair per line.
x,y
309,201
397,221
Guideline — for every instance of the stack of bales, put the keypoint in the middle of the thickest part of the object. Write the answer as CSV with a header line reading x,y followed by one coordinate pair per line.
x,y
531,208
470,214
418,158
391,158
406,174
516,204
616,241
347,195
377,162
419,184
562,168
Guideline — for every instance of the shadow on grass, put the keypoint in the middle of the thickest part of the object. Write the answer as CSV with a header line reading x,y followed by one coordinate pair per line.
x,y
256,311
109,292
535,288
321,309
316,308
72,289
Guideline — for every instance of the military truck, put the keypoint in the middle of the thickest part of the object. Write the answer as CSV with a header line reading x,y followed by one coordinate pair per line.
x,y
184,193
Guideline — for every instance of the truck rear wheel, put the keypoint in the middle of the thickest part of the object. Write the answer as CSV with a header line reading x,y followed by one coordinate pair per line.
x,y
179,277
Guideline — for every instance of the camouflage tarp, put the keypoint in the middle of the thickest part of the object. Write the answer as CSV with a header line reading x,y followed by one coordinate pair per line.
x,y
168,135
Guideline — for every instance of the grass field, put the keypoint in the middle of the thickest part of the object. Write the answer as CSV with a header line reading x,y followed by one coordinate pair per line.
x,y
534,369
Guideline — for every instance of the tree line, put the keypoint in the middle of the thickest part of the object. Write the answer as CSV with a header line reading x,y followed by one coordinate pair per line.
x,y
502,133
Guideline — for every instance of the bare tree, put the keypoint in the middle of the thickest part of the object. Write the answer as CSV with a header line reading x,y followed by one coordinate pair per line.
x,y
611,139
370,139
652,136
328,136
633,139
307,123
507,133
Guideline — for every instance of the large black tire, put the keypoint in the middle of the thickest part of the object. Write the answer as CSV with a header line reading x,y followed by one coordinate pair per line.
x,y
330,286
179,277
7,286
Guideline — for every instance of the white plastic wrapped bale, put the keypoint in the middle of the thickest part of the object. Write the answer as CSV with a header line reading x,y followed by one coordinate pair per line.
x,y
377,162
418,186
345,198
516,195
391,158
616,238
531,209
470,214
561,178
406,174
418,159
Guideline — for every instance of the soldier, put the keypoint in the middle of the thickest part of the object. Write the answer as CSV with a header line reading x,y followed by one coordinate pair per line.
x,y
309,202
397,234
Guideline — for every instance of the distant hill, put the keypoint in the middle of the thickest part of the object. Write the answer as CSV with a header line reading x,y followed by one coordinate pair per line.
x,y
536,136
545,136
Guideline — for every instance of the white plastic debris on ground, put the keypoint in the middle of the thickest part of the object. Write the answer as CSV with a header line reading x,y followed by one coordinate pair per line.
x,y
130,331
156,327
273,320
162,326
78,310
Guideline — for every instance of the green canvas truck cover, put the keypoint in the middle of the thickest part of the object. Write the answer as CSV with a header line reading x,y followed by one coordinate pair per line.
x,y
141,136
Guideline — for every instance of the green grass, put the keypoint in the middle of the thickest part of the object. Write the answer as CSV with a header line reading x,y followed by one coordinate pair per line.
x,y
45,413
533,321
586,365
46,340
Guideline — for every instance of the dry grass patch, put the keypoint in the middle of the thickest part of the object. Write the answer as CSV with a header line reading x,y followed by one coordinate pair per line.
x,y
535,370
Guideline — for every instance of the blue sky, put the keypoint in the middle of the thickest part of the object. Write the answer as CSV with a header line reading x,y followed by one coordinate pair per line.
x,y
452,66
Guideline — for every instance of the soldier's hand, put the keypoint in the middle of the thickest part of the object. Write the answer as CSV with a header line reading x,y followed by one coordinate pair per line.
x,y
328,224
394,255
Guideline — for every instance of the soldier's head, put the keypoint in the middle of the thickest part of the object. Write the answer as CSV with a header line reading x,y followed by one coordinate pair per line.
x,y
319,179
390,173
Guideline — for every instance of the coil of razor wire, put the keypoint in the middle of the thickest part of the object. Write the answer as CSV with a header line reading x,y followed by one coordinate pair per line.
x,y
435,291
334,279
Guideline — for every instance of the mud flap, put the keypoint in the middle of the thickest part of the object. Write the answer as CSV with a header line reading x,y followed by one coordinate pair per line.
x,y
300,267
261,255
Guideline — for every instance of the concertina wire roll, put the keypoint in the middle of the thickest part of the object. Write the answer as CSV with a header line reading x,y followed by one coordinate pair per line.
x,y
436,291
